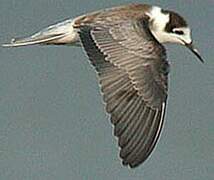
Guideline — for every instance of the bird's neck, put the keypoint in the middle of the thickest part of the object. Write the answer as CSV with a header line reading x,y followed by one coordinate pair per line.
x,y
158,21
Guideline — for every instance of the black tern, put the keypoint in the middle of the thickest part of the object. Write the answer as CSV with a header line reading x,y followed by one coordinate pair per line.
x,y
125,45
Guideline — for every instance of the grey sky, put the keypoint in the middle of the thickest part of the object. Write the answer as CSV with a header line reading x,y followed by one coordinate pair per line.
x,y
52,121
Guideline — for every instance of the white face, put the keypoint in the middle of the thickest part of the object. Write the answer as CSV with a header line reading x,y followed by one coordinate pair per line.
x,y
178,35
181,35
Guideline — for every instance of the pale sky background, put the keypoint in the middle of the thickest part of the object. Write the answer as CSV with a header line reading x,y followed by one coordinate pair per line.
x,y
52,121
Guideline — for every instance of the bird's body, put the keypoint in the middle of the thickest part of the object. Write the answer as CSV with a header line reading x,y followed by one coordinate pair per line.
x,y
124,44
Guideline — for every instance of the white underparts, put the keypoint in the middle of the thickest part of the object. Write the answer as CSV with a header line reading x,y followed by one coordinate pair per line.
x,y
61,33
66,28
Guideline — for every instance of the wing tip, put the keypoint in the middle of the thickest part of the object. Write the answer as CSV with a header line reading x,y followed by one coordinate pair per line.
x,y
132,165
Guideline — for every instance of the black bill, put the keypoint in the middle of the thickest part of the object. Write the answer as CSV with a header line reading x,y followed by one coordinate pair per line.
x,y
195,51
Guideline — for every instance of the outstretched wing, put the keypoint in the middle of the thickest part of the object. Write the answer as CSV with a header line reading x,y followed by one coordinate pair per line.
x,y
132,71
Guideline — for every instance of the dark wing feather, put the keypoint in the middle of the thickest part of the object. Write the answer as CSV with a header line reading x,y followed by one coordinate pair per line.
x,y
129,47
133,86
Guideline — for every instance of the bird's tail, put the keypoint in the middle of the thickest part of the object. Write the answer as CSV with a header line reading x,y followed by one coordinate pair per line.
x,y
61,33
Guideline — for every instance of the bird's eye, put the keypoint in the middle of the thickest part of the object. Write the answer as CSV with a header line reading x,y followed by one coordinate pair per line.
x,y
179,32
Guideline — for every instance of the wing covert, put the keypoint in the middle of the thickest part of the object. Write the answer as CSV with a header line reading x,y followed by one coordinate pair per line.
x,y
130,46
134,88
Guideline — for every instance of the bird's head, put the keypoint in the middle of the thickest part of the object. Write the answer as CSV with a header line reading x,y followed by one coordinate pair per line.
x,y
170,27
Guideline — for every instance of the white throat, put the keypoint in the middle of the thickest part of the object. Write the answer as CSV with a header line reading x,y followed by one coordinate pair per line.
x,y
159,21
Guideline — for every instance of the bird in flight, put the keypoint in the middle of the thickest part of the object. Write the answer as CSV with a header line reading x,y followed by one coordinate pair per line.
x,y
125,46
